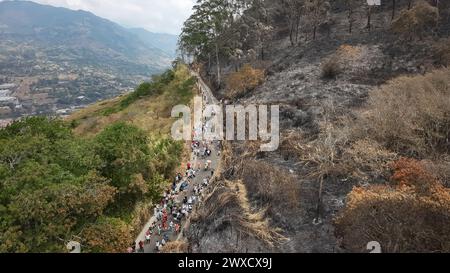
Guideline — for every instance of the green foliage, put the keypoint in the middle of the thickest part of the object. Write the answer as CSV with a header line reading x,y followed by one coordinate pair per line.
x,y
124,152
210,18
146,89
183,91
54,186
166,155
51,129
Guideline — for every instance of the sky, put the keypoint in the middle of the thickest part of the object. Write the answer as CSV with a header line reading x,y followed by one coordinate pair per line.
x,y
165,16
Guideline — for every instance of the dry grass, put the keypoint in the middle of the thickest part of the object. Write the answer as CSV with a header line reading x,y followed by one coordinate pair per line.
x,y
440,168
270,186
152,114
254,223
176,247
228,206
290,140
366,160
349,52
322,153
267,184
410,115
412,216
361,160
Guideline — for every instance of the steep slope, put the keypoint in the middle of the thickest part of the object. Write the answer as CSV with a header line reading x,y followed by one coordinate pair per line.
x,y
339,131
96,175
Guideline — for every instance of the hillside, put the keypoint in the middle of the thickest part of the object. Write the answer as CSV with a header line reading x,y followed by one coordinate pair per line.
x,y
94,176
151,114
165,42
364,153
58,59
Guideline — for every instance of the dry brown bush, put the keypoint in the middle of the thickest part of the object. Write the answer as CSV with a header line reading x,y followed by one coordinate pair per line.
x,y
347,58
410,115
442,51
290,141
416,22
413,174
269,185
366,160
176,247
334,153
349,52
322,154
331,68
413,216
243,81
440,168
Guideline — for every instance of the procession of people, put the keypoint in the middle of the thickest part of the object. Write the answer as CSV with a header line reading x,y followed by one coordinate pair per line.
x,y
185,193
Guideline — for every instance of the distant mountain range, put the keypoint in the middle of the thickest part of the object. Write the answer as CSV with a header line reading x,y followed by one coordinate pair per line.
x,y
166,42
100,58
83,33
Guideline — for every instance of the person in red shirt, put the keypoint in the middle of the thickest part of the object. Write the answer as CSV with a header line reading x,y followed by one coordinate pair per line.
x,y
141,246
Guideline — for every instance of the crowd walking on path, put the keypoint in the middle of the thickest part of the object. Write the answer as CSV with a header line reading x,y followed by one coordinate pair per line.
x,y
178,202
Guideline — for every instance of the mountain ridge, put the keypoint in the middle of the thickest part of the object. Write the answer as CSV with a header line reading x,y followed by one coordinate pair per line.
x,y
60,59
54,25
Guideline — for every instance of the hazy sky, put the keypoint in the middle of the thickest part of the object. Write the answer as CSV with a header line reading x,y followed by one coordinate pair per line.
x,y
153,15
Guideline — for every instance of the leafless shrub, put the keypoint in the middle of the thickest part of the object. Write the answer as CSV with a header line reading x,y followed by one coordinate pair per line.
x,y
323,152
365,160
410,115
331,68
440,168
290,141
442,51
322,155
269,185
416,22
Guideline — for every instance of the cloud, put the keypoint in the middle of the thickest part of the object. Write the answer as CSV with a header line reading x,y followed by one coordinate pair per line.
x,y
154,15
